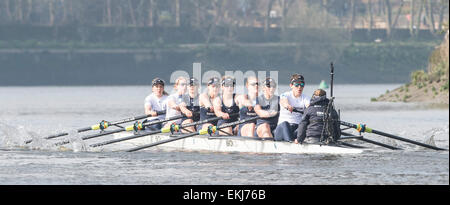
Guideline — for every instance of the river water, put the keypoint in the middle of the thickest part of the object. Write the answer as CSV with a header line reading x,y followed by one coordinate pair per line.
x,y
36,112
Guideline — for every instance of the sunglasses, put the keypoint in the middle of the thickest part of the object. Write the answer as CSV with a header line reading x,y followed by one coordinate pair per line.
x,y
254,84
299,84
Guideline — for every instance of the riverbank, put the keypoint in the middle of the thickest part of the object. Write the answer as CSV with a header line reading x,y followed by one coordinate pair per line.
x,y
431,87
434,94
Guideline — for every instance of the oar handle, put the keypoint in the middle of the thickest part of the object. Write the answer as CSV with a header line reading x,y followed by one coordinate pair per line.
x,y
299,110
163,120
163,130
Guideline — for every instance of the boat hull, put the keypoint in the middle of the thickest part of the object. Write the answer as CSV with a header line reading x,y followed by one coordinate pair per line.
x,y
235,144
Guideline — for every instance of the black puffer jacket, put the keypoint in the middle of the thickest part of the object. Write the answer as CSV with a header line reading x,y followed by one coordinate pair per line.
x,y
312,121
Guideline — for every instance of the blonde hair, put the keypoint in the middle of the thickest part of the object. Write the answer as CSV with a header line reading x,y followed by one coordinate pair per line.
x,y
251,77
179,79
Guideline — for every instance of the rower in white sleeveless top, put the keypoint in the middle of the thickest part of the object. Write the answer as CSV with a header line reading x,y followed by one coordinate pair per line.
x,y
292,104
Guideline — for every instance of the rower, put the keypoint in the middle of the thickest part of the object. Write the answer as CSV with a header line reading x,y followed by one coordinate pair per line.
x,y
226,104
316,124
290,102
190,105
247,104
155,102
267,108
206,102
174,100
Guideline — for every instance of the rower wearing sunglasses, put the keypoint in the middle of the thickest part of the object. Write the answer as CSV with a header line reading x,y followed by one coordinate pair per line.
x,y
174,100
267,108
247,103
206,102
292,104
190,105
226,104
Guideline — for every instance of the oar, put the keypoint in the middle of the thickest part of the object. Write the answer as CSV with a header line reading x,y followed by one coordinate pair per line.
x,y
201,132
136,126
299,110
363,128
163,130
102,125
369,141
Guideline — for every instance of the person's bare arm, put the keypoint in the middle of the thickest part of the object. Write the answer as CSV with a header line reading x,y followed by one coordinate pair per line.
x,y
173,105
149,111
260,112
284,102
217,109
184,109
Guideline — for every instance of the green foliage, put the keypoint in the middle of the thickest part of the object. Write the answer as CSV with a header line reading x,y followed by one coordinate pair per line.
x,y
418,76
405,98
444,87
373,100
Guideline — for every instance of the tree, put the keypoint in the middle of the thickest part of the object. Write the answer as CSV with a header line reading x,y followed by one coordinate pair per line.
x,y
411,21
429,15
369,4
419,19
285,6
177,13
388,17
51,12
267,16
132,14
108,12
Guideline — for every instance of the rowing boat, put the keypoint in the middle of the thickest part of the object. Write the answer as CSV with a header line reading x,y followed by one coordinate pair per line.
x,y
235,144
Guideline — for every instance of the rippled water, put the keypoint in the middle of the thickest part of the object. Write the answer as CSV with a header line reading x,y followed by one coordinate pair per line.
x,y
36,112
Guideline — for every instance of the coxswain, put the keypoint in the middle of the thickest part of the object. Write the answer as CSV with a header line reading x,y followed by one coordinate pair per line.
x,y
319,121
